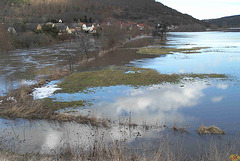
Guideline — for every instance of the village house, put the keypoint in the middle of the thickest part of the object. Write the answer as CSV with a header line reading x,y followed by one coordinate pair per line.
x,y
88,28
78,27
12,30
68,30
141,26
39,27
73,29
172,27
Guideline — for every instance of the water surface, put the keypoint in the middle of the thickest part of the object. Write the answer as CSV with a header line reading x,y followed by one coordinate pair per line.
x,y
189,103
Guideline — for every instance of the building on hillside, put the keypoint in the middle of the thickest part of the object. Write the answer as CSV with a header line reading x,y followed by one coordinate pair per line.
x,y
68,30
172,27
89,28
78,27
12,30
39,27
141,26
73,30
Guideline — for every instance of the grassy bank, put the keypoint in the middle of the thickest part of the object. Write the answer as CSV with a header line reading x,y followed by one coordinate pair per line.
x,y
167,151
20,104
123,76
164,51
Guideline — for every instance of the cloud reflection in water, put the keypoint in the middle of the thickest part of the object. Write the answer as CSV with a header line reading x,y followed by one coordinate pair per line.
x,y
154,103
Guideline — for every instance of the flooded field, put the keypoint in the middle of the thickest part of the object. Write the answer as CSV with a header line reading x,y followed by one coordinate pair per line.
x,y
153,110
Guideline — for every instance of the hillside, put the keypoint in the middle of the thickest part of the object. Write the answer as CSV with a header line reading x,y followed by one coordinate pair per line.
x,y
230,21
37,11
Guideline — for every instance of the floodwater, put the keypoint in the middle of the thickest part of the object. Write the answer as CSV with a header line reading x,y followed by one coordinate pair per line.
x,y
25,66
189,103
22,66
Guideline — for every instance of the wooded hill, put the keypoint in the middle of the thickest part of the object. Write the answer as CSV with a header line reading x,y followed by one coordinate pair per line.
x,y
38,11
230,21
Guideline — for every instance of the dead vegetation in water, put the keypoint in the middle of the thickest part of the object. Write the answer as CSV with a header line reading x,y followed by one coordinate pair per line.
x,y
20,104
81,119
180,129
210,130
52,73
168,149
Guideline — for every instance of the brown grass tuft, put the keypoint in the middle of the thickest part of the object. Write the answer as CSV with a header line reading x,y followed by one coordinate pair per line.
x,y
210,130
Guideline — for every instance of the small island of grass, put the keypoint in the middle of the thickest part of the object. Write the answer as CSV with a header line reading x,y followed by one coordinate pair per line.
x,y
164,51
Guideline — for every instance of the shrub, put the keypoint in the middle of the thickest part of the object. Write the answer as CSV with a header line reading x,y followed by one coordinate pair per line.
x,y
65,36
52,20
111,35
47,29
5,39
31,39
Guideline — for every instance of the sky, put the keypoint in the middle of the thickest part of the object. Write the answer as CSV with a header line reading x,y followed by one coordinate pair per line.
x,y
205,9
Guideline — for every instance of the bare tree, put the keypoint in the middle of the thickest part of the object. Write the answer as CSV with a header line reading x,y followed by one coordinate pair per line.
x,y
111,35
84,42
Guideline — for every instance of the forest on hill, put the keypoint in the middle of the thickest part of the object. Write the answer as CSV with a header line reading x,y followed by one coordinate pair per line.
x,y
141,11
224,22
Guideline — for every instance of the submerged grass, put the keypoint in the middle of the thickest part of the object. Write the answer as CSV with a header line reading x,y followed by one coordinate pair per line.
x,y
164,51
78,82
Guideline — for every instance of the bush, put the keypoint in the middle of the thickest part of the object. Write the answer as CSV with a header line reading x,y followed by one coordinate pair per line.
x,y
47,29
52,20
5,39
65,36
111,35
31,39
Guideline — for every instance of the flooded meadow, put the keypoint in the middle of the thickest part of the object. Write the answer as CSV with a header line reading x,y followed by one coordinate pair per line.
x,y
137,115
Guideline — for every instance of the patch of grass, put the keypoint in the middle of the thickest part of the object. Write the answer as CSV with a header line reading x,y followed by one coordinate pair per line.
x,y
47,102
20,104
164,51
111,77
78,82
210,130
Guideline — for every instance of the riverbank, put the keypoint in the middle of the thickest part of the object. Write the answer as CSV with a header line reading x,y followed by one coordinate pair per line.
x,y
119,150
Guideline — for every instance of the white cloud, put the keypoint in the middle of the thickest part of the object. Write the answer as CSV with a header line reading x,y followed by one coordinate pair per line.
x,y
205,9
217,99
222,86
157,103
